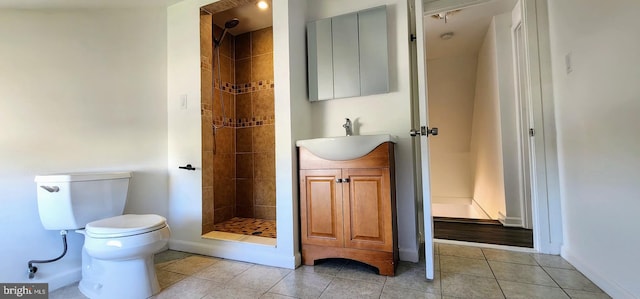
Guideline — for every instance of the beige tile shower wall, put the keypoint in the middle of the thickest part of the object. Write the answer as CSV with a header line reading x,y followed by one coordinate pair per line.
x,y
255,134
221,159
206,75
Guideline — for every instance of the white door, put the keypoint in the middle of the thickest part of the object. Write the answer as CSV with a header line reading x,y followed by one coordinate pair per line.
x,y
420,131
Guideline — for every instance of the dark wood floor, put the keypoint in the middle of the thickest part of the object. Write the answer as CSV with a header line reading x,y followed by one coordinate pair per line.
x,y
481,231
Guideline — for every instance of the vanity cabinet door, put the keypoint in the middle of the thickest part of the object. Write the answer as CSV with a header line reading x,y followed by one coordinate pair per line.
x,y
321,207
367,209
347,208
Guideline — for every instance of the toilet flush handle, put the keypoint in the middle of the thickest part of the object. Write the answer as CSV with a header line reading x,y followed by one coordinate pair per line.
x,y
51,188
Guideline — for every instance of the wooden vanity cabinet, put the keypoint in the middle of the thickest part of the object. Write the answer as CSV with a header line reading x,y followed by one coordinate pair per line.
x,y
348,209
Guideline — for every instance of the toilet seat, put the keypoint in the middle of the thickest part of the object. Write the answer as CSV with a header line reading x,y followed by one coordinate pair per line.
x,y
124,225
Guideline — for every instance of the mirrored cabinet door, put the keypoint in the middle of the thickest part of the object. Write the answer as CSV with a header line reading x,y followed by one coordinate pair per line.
x,y
320,56
346,62
348,55
374,64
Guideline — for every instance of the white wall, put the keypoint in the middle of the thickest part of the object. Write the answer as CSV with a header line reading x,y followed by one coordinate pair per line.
x,y
495,164
295,119
597,107
452,88
80,91
452,84
292,116
382,113
486,143
508,120
185,192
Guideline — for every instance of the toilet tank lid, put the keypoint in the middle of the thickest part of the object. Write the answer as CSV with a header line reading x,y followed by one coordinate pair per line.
x,y
87,176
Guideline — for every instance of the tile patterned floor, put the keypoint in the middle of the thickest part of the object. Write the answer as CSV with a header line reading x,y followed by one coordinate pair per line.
x,y
248,226
461,272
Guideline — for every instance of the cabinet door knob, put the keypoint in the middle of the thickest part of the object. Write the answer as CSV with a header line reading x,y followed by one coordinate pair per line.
x,y
338,180
345,180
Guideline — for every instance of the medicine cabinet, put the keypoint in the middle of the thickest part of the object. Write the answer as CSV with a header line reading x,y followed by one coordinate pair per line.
x,y
348,55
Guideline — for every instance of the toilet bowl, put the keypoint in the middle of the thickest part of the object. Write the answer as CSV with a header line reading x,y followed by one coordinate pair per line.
x,y
117,256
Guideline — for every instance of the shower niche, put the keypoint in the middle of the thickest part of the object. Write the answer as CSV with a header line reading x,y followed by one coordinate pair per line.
x,y
237,113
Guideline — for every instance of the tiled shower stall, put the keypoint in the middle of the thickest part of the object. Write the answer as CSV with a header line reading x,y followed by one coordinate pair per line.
x,y
238,141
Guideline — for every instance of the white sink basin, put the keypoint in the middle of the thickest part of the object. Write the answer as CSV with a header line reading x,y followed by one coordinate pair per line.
x,y
346,147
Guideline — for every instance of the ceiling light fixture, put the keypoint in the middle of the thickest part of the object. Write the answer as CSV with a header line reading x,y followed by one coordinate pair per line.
x,y
446,35
445,15
262,4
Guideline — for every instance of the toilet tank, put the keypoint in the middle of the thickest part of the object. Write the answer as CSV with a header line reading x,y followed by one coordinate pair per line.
x,y
71,200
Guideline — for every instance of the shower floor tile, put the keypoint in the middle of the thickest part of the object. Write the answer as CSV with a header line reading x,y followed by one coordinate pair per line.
x,y
248,226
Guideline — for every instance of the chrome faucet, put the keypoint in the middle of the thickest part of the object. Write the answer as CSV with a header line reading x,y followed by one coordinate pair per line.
x,y
347,127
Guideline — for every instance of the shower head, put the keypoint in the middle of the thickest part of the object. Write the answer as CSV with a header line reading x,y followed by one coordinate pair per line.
x,y
231,23
227,25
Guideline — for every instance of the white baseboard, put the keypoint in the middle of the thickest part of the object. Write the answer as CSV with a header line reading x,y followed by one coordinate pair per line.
x,y
509,221
57,275
486,245
612,288
63,279
238,251
477,206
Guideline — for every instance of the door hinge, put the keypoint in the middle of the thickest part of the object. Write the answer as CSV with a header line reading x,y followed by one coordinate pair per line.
x,y
532,132
413,37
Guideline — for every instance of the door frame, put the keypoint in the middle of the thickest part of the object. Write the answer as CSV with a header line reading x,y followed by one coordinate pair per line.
x,y
545,197
419,118
545,194
524,117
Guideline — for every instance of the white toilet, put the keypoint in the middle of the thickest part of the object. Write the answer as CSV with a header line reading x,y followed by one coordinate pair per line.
x,y
117,257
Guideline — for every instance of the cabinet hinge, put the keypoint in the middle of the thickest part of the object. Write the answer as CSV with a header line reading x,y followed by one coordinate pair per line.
x,y
413,37
532,132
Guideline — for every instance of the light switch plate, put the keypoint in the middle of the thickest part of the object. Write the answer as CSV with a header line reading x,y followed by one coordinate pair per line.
x,y
568,64
183,101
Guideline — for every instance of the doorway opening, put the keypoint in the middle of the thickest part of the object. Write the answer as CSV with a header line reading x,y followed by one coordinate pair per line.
x,y
237,115
477,162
